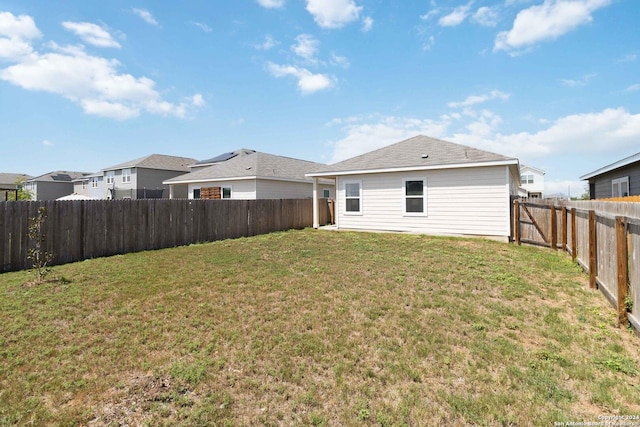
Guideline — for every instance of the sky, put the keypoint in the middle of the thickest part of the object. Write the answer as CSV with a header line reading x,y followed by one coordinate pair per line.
x,y
85,85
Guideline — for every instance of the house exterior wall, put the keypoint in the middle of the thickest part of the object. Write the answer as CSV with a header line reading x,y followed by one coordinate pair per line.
x,y
473,201
537,187
97,192
43,190
151,179
242,189
82,187
270,189
603,182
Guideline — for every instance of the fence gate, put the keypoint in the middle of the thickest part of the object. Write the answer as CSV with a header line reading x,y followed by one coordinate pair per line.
x,y
537,224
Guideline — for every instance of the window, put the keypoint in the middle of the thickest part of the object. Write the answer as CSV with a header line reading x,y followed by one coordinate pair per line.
x,y
526,179
326,193
126,175
84,185
111,177
226,192
196,193
414,196
352,197
94,182
620,187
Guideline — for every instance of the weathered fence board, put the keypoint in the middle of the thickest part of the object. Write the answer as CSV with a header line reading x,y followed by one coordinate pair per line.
x,y
83,229
603,237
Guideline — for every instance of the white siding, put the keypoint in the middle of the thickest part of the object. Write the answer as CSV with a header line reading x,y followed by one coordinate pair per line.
x,y
240,190
458,201
271,189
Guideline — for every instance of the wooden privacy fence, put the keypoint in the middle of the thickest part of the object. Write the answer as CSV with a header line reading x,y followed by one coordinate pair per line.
x,y
83,229
603,237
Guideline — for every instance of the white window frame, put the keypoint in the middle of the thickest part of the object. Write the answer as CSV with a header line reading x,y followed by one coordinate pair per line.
x,y
94,182
616,184
111,177
423,196
126,176
226,187
344,186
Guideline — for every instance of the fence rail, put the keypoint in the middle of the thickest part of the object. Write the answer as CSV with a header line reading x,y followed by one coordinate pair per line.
x,y
603,237
83,229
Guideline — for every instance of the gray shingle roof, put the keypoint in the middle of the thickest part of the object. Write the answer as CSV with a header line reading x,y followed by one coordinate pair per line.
x,y
157,161
411,153
10,179
635,158
58,176
261,165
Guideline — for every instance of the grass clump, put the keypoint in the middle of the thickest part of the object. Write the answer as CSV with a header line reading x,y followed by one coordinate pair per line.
x,y
315,328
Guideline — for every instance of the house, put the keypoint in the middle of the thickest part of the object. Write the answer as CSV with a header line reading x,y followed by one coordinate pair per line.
x,y
143,178
532,181
90,186
248,175
424,185
10,183
619,179
52,185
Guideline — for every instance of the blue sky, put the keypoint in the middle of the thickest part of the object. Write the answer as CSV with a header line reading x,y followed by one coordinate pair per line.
x,y
85,84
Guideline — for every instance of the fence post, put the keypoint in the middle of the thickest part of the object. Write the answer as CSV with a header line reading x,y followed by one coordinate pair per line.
x,y
564,228
623,268
554,228
574,232
516,216
593,252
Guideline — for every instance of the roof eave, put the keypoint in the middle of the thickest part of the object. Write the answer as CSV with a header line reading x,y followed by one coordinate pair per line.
x,y
414,168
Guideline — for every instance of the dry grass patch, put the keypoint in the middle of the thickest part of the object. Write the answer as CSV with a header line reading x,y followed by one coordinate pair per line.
x,y
315,328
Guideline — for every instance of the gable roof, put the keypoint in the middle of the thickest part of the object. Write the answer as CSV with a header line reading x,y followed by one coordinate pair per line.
x,y
251,165
417,153
156,161
58,176
613,166
532,169
10,179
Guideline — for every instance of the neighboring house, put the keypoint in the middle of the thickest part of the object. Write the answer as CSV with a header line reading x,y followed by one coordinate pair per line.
x,y
248,175
143,178
619,179
9,183
90,186
532,181
52,185
425,185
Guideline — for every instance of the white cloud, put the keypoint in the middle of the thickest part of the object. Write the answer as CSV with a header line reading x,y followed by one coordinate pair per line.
x,y
306,47
146,16
433,12
198,100
21,27
633,87
478,99
16,34
456,17
307,81
203,27
628,58
91,33
367,24
47,143
267,44
339,61
427,45
92,82
333,13
369,133
271,4
486,16
582,81
546,21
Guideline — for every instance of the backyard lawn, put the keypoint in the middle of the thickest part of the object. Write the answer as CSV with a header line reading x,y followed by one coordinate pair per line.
x,y
315,328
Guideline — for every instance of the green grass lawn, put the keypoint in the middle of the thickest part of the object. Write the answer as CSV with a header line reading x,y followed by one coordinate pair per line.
x,y
315,328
